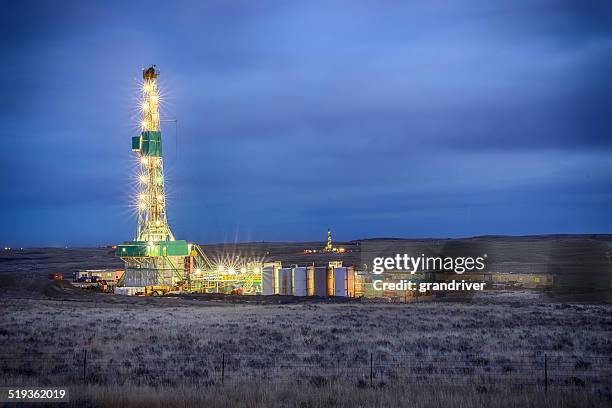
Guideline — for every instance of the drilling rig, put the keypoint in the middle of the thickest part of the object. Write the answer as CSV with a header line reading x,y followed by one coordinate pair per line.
x,y
155,259
329,247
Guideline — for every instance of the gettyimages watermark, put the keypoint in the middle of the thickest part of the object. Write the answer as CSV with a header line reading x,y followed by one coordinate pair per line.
x,y
393,266
410,264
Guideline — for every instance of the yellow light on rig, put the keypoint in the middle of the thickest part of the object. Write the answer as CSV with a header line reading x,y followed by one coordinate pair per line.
x,y
142,196
142,206
198,271
144,160
144,106
154,98
231,271
243,270
143,178
256,270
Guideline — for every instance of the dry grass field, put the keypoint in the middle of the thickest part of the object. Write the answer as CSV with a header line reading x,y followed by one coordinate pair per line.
x,y
122,351
310,355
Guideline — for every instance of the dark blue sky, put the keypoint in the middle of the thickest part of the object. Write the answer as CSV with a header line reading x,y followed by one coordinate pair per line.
x,y
378,118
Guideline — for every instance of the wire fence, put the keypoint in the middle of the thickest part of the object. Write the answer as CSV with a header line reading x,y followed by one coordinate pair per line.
x,y
369,369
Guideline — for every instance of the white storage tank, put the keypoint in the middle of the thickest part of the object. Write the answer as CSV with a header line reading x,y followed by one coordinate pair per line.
x,y
300,281
285,276
270,280
344,282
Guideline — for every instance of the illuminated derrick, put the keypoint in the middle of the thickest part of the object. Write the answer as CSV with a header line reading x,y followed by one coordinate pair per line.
x,y
155,260
329,246
154,257
152,220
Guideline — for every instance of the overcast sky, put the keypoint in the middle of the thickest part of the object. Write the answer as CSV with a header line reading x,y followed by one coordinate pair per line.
x,y
377,118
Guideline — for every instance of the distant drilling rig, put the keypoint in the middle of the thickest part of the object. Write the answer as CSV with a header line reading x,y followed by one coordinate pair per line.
x,y
154,258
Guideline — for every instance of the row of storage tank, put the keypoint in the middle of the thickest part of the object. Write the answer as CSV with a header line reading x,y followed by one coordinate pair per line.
x,y
309,281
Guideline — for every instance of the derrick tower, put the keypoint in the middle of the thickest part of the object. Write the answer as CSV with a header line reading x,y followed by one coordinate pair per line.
x,y
155,257
329,246
152,220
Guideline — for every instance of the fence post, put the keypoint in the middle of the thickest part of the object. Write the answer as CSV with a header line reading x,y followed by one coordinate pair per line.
x,y
545,372
371,369
222,368
84,365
